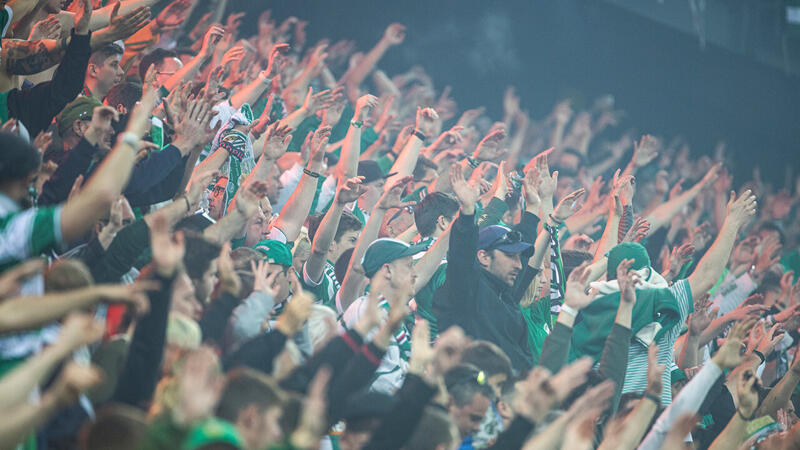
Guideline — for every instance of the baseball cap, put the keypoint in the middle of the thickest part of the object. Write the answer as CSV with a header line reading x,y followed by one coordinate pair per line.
x,y
371,171
213,431
498,237
276,252
80,108
385,250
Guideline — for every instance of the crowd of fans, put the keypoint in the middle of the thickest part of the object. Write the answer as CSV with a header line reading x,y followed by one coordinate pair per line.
x,y
213,241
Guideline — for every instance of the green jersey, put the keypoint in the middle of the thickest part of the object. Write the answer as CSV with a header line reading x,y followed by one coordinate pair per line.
x,y
325,290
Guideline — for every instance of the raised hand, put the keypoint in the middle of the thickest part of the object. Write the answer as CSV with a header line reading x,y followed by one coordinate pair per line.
x,y
123,27
577,294
500,185
200,384
769,256
167,249
82,16
491,146
702,316
190,131
11,280
623,186
467,195
316,147
645,150
711,176
627,279
469,116
747,392
394,34
315,102
741,210
263,280
172,16
427,120
728,356
421,350
639,230
295,314
75,379
274,61
277,141
568,205
47,28
392,197
213,36
364,105
350,190
197,186
249,196
79,329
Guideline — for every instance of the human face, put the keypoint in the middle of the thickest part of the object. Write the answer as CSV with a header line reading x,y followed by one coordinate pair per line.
x,y
274,184
259,429
183,298
468,418
374,190
495,381
108,74
257,229
402,273
167,69
505,266
346,241
216,200
205,286
281,281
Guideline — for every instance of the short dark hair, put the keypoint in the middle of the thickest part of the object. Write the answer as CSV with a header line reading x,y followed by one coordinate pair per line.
x,y
125,94
99,56
18,159
341,265
117,426
435,429
487,357
772,226
423,164
463,383
348,222
573,258
770,281
155,57
428,211
245,387
199,254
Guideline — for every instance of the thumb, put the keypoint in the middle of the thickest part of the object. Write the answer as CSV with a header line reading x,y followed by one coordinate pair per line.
x,y
115,11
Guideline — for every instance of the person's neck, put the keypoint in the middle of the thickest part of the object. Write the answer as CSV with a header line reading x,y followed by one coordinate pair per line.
x,y
366,205
96,89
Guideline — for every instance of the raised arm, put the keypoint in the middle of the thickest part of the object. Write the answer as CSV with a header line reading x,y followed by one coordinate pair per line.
x,y
296,209
610,234
346,192
188,71
394,35
351,144
293,93
250,93
407,160
243,206
354,277
663,213
82,211
739,213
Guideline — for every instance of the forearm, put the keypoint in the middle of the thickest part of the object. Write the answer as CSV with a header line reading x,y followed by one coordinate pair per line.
x,y
186,72
250,93
18,424
689,356
355,273
351,149
23,313
356,75
323,239
31,57
776,399
633,429
732,436
17,385
540,248
296,209
713,330
407,160
431,260
295,118
713,263
662,214
609,238
102,17
229,227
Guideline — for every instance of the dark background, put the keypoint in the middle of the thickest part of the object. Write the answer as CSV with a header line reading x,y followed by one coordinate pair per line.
x,y
579,48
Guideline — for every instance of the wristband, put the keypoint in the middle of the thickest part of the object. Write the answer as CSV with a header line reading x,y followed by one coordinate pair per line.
x,y
188,205
419,134
357,123
556,221
652,398
264,78
310,173
739,411
473,162
130,138
760,355
569,310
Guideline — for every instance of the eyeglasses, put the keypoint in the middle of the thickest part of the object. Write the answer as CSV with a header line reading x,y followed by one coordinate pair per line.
x,y
511,237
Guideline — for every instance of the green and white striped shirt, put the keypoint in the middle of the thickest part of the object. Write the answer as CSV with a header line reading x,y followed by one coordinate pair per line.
x,y
636,374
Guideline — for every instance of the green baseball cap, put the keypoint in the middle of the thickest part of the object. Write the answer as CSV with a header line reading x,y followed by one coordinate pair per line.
x,y
80,108
627,250
385,250
276,252
213,431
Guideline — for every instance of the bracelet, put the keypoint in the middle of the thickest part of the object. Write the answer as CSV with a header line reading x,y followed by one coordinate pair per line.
x,y
357,123
311,173
652,398
556,221
739,411
760,355
188,205
131,139
473,162
569,310
419,134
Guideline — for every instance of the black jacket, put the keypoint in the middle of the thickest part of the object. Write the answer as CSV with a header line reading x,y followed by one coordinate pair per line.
x,y
37,106
480,303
